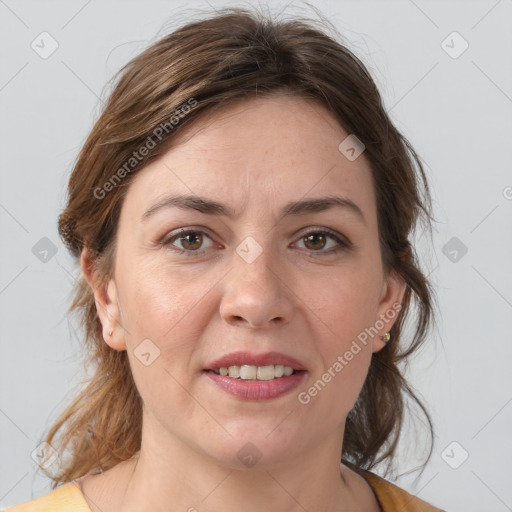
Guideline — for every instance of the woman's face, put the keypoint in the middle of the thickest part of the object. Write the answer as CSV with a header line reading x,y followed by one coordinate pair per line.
x,y
252,277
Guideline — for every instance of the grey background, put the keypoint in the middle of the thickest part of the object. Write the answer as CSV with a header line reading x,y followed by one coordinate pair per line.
x,y
457,112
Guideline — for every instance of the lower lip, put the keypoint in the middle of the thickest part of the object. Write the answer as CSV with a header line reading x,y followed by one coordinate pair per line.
x,y
257,389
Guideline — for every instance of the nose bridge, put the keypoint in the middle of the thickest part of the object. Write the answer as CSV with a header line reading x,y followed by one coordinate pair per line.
x,y
255,290
253,261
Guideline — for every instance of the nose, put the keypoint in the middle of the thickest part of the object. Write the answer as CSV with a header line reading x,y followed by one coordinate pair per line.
x,y
258,294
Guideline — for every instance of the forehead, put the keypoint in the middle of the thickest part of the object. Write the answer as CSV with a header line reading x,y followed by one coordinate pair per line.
x,y
262,152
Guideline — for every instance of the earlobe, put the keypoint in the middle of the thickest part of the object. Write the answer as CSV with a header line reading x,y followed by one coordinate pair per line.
x,y
107,305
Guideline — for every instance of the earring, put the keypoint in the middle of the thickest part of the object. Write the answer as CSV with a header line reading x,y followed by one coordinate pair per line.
x,y
386,337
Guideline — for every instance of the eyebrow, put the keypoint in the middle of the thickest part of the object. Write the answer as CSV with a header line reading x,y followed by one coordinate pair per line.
x,y
293,208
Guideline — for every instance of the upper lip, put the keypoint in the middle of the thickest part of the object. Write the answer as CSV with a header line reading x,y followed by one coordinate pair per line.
x,y
241,358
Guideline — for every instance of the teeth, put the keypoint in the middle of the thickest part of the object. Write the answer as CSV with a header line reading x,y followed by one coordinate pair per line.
x,y
265,372
234,371
250,372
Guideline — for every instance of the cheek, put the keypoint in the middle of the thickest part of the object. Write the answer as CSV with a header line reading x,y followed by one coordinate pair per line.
x,y
346,303
157,300
162,318
344,315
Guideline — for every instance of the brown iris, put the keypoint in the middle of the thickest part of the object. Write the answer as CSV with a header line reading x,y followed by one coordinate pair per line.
x,y
315,237
193,241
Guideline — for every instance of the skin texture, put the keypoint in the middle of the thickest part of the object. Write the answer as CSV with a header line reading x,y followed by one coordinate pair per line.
x,y
255,156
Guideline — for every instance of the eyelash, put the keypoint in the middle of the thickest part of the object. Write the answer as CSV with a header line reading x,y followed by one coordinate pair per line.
x,y
343,245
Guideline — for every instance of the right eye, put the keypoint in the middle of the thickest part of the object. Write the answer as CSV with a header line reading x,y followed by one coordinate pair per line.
x,y
190,240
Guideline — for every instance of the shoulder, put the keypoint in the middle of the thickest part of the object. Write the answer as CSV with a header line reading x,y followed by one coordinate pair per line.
x,y
392,497
67,498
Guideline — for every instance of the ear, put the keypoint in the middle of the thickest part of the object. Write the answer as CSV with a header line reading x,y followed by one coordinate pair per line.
x,y
390,304
107,305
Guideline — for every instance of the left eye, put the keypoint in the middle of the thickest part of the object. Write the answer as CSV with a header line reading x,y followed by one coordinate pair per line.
x,y
317,240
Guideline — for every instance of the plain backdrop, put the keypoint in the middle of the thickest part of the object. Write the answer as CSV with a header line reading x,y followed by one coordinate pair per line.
x,y
444,70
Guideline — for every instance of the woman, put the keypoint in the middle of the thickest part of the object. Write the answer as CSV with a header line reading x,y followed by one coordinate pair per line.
x,y
241,212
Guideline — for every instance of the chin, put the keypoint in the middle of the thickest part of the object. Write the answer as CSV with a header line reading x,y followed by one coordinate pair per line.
x,y
258,446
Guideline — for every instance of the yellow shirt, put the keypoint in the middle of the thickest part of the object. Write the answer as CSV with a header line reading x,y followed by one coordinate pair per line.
x,y
69,498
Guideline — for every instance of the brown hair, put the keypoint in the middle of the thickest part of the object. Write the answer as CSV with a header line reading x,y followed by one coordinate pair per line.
x,y
233,55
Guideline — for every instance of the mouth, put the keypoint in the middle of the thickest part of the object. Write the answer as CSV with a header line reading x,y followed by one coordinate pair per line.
x,y
256,377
